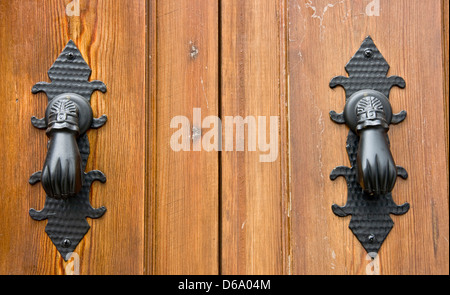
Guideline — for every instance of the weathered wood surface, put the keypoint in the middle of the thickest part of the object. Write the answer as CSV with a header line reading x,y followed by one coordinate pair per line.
x,y
225,212
323,36
186,238
111,38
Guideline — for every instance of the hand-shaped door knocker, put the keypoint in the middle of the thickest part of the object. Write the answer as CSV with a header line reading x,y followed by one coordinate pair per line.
x,y
373,172
67,118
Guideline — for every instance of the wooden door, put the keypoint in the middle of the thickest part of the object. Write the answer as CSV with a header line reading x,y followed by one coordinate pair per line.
x,y
211,208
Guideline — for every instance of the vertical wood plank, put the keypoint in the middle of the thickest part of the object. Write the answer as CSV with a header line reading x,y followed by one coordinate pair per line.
x,y
322,38
118,49
111,38
186,229
151,148
445,46
253,192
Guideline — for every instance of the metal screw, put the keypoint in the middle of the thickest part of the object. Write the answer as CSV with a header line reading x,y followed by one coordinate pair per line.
x,y
371,238
368,53
70,56
66,243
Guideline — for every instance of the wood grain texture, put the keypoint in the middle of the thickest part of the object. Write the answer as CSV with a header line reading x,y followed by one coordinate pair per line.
x,y
253,193
187,191
111,38
210,212
445,46
323,36
151,154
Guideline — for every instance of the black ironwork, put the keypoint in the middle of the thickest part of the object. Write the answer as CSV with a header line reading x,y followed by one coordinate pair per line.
x,y
373,173
67,118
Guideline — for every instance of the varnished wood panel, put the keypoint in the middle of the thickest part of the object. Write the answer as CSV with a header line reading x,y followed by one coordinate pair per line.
x,y
151,154
323,36
253,192
187,191
445,36
111,38
211,212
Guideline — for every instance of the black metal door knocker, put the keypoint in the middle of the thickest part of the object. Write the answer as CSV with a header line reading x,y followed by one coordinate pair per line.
x,y
67,119
373,173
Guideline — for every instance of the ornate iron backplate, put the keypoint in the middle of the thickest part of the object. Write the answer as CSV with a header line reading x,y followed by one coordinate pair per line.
x,y
66,216
370,214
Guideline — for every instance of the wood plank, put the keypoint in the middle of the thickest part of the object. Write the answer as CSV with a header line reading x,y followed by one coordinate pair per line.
x,y
253,193
323,36
151,148
445,46
187,191
111,38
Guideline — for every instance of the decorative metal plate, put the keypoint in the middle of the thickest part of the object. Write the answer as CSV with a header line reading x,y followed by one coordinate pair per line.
x,y
67,223
370,221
